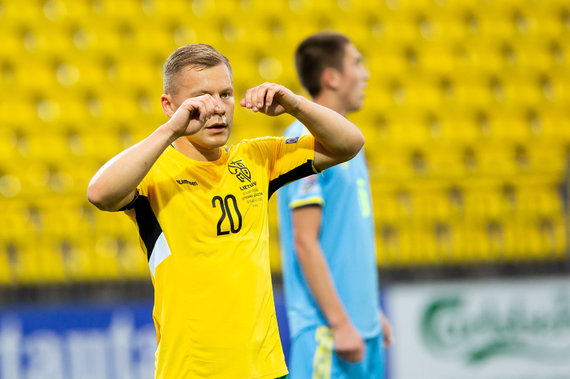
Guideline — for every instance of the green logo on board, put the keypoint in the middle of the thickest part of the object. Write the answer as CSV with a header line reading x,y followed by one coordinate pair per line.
x,y
479,332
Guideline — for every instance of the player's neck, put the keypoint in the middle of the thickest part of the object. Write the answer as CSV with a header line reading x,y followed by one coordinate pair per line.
x,y
331,101
195,152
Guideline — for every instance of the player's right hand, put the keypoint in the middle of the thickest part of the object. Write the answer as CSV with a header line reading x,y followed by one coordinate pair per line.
x,y
347,343
193,113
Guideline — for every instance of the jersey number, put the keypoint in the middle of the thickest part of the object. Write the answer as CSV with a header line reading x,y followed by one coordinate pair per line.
x,y
224,205
363,198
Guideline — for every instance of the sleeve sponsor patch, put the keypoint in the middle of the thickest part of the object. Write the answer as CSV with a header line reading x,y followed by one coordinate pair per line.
x,y
308,184
292,140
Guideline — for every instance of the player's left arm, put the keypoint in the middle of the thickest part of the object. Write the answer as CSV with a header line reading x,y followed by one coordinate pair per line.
x,y
336,139
387,330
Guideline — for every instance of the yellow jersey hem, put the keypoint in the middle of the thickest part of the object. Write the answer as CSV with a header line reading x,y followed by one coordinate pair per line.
x,y
272,375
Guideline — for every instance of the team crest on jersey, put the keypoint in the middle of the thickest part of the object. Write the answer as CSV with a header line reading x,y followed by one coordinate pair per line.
x,y
292,140
239,169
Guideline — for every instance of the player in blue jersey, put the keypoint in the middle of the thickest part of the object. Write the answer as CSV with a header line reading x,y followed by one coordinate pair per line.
x,y
328,238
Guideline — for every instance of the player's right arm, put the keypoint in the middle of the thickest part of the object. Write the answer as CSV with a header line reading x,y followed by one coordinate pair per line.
x,y
114,185
348,344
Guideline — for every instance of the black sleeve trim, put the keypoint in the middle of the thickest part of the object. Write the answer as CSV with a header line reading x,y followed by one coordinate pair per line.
x,y
149,228
306,169
131,204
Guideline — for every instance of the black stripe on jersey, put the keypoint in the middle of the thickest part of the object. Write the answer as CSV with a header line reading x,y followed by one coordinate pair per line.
x,y
149,228
299,172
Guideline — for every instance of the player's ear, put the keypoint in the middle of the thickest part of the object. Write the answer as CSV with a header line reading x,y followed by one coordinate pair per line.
x,y
330,78
167,106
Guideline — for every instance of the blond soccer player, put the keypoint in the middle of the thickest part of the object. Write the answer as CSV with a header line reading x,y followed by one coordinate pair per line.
x,y
201,210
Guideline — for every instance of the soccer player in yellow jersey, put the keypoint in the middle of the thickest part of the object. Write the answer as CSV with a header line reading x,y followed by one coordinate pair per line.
x,y
201,210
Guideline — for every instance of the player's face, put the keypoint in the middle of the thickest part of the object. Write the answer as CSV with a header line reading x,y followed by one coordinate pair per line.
x,y
354,79
217,82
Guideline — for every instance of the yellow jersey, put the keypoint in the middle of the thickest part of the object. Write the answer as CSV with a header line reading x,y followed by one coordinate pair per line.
x,y
204,228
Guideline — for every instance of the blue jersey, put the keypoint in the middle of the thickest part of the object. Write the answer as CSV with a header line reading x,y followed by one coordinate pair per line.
x,y
347,238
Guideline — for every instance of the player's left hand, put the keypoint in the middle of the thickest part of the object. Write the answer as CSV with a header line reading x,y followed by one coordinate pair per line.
x,y
387,330
271,99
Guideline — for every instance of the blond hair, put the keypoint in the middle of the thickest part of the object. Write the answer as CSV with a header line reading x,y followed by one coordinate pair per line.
x,y
196,55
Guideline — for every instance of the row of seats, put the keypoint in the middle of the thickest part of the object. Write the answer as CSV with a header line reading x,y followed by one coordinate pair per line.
x,y
49,247
434,201
42,260
74,66
110,257
66,239
493,241
535,63
73,44
507,19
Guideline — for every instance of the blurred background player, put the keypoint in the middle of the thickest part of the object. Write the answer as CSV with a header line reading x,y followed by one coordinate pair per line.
x,y
328,238
201,211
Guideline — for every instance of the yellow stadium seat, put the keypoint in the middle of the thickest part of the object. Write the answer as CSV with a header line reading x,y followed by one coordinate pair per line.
x,y
552,232
548,157
129,9
166,10
385,209
509,125
514,240
133,263
473,89
554,123
432,204
394,246
12,42
534,202
538,54
106,257
21,221
27,266
484,200
23,11
6,278
51,262
8,143
48,146
100,35
35,75
78,258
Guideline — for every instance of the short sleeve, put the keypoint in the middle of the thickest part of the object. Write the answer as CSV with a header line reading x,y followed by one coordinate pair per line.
x,y
306,191
291,153
294,160
289,159
144,185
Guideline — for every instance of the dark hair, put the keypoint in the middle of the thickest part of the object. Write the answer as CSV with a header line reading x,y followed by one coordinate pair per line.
x,y
196,55
314,54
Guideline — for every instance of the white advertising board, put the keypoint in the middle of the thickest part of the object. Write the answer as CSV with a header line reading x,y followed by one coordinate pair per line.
x,y
488,329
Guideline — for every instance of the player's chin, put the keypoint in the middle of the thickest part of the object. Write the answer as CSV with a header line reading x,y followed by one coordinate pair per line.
x,y
355,106
218,138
